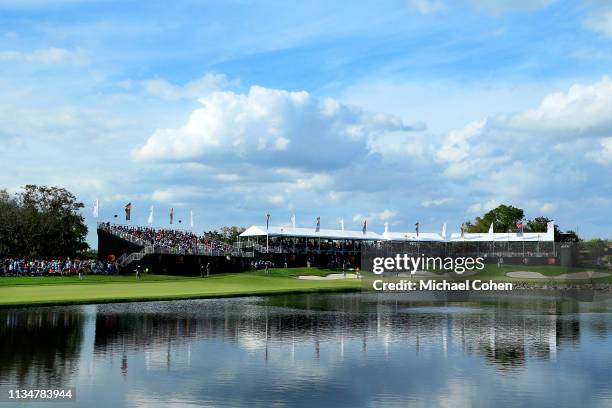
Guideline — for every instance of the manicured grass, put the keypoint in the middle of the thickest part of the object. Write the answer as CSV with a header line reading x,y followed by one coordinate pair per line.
x,y
300,271
155,287
54,280
546,270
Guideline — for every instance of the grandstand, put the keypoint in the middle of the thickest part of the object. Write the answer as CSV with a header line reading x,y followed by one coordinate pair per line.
x,y
176,250
167,250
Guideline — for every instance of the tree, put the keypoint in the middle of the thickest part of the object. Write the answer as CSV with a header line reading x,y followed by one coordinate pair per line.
x,y
504,219
538,224
230,234
41,221
225,234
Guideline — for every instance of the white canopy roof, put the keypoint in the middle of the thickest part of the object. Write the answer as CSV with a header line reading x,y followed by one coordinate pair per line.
x,y
258,231
412,236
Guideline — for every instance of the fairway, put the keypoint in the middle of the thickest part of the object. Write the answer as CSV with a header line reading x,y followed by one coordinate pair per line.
x,y
105,289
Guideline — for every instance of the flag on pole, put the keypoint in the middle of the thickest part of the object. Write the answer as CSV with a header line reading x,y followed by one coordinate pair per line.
x,y
150,220
171,215
444,231
365,226
491,229
519,228
267,221
128,211
462,230
191,218
417,227
342,224
318,224
293,220
95,209
386,227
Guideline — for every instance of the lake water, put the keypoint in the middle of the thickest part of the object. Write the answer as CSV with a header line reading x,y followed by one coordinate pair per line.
x,y
340,350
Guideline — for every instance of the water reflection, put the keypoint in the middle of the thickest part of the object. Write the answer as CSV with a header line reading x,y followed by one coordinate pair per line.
x,y
343,350
39,346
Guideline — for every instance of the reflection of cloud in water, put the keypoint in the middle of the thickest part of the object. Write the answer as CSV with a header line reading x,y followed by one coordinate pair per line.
x,y
344,350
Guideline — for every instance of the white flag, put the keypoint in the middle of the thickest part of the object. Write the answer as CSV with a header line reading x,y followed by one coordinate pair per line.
x,y
342,224
95,208
386,227
293,220
444,231
191,218
491,229
150,220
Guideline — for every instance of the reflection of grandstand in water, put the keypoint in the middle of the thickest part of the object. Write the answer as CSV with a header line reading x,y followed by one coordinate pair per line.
x,y
504,338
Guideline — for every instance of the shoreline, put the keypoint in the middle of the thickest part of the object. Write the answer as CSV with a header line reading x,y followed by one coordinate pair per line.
x,y
170,298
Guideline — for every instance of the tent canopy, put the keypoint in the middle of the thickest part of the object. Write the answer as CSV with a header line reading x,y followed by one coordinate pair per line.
x,y
290,232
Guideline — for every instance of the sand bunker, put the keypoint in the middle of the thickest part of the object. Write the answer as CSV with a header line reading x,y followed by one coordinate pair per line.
x,y
563,276
429,274
331,276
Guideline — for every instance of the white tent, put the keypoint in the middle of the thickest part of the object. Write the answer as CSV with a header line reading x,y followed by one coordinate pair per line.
x,y
335,234
290,232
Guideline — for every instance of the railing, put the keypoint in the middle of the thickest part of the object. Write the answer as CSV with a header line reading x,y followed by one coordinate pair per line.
x,y
123,235
148,248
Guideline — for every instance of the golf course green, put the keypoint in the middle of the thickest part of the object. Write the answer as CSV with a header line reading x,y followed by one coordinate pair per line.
x,y
65,290
37,291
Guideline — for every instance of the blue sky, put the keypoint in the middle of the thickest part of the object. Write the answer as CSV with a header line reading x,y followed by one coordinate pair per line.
x,y
391,111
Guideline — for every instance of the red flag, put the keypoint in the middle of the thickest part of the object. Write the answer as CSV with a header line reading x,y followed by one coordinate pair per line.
x,y
128,211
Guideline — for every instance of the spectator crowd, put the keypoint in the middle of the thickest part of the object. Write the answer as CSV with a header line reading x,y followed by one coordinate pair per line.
x,y
184,242
41,267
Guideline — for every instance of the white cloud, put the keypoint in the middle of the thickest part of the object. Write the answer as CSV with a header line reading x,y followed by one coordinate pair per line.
x,y
490,6
548,208
191,90
601,21
271,128
427,6
479,208
436,202
276,199
51,55
603,154
499,6
582,111
456,146
384,215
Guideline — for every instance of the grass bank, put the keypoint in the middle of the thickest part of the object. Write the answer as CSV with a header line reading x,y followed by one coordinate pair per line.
x,y
38,291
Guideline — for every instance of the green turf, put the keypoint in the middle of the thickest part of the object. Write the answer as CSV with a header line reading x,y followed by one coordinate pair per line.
x,y
53,280
546,270
70,290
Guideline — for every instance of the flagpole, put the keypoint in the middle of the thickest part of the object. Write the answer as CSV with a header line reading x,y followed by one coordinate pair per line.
x,y
267,234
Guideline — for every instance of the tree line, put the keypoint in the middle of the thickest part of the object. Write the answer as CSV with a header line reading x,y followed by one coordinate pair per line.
x,y
506,217
41,222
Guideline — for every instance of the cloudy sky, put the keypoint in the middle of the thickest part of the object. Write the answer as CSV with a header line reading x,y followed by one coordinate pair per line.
x,y
397,111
